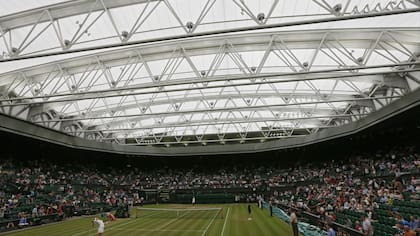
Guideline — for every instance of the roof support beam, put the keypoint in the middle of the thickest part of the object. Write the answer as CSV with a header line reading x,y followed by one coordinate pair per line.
x,y
209,122
107,94
315,73
245,94
212,33
225,109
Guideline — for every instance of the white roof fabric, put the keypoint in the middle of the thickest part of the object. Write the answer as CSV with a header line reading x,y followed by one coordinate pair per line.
x,y
241,87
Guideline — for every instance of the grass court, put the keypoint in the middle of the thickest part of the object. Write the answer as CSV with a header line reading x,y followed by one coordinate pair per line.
x,y
230,220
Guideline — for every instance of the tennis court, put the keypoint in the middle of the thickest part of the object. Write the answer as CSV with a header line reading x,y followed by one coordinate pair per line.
x,y
174,220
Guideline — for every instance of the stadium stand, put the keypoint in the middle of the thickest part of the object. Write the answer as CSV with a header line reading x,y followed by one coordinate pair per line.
x,y
370,192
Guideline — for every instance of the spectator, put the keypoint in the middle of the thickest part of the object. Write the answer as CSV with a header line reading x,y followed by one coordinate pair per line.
x,y
2,211
331,231
366,226
35,211
358,227
294,222
408,231
414,223
22,220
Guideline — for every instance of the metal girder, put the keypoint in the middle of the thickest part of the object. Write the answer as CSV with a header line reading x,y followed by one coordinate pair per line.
x,y
277,114
103,87
229,109
243,96
118,93
348,8
266,127
167,114
208,138
251,145
80,7
297,40
61,10
67,69
202,80
94,13
108,127
395,81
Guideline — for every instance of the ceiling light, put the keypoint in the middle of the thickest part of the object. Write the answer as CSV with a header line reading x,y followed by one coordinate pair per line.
x,y
337,8
124,34
189,25
14,51
261,17
67,43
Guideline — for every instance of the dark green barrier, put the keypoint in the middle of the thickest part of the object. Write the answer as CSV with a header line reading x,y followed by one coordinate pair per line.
x,y
208,198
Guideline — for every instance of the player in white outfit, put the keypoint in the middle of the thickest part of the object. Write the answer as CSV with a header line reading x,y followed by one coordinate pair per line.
x,y
101,226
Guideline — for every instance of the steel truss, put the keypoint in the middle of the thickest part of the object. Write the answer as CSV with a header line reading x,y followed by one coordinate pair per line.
x,y
239,88
82,23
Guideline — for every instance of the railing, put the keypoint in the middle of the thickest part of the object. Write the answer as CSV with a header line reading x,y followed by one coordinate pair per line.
x,y
305,228
14,223
317,221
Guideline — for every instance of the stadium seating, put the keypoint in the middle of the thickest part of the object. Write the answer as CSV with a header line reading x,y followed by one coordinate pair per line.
x,y
342,191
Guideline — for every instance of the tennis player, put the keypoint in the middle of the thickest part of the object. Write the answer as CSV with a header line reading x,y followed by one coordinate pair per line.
x,y
111,217
101,226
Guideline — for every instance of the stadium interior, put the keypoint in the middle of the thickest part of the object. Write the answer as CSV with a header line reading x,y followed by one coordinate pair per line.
x,y
210,117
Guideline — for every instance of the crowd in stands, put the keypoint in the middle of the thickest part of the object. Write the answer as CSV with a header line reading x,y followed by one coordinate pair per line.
x,y
374,193
379,196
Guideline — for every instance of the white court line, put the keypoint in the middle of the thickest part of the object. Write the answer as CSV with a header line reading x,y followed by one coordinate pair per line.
x,y
161,230
169,222
116,226
181,209
132,221
208,226
224,224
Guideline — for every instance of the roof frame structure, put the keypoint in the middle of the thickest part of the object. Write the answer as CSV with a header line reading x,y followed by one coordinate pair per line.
x,y
202,86
92,10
